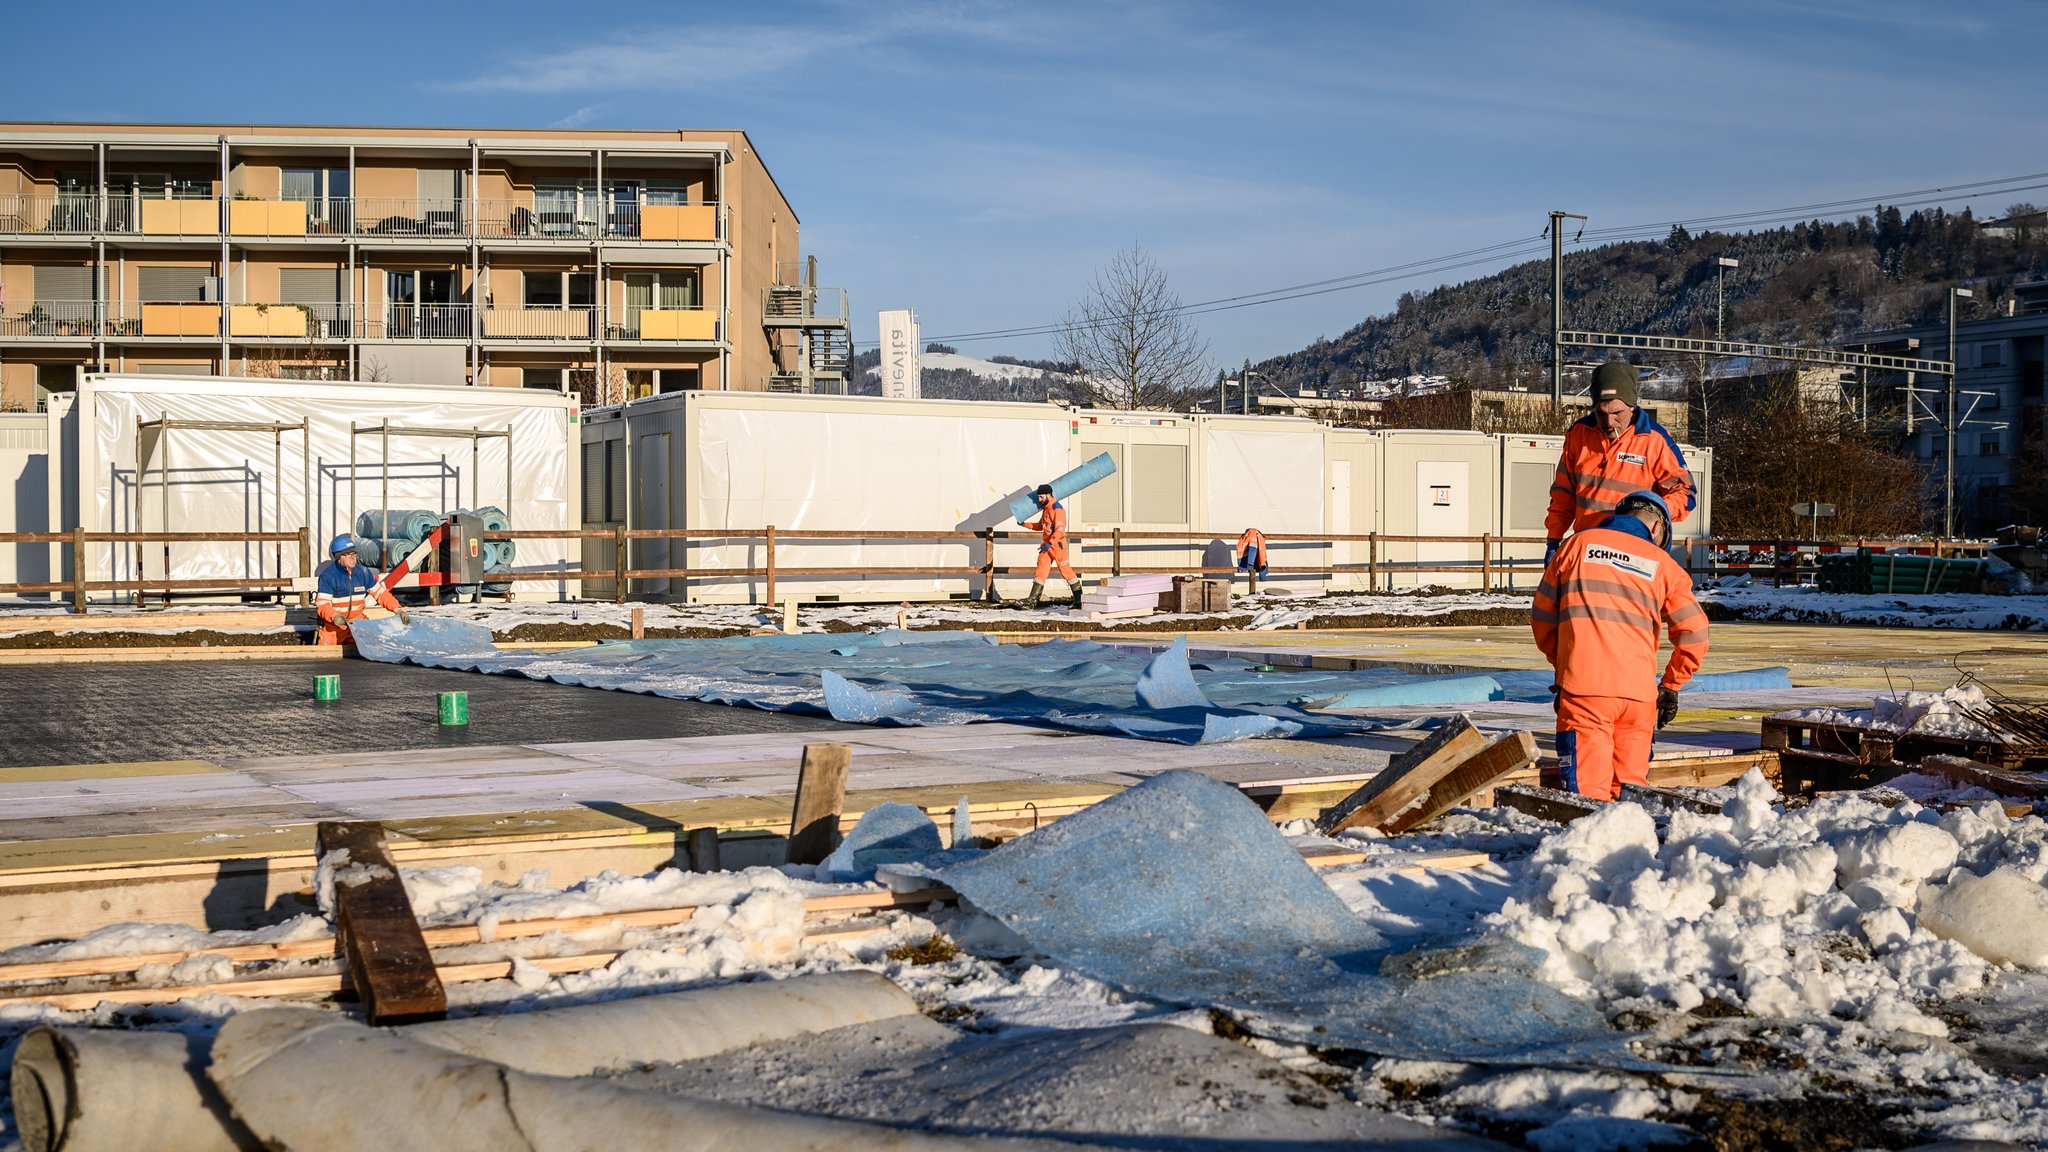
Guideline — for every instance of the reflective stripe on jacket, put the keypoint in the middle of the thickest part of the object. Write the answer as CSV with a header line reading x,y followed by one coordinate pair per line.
x,y
1594,473
345,592
1597,613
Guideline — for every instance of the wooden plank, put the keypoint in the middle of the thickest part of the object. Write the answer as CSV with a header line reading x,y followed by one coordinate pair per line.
x,y
11,624
178,653
1508,754
1552,804
1405,779
1992,779
820,794
388,962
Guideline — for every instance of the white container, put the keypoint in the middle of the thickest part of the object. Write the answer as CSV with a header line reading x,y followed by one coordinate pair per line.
x,y
1438,484
1353,465
25,474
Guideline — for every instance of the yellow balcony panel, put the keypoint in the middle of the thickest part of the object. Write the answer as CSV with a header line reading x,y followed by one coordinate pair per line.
x,y
180,218
181,319
678,324
679,222
275,320
267,218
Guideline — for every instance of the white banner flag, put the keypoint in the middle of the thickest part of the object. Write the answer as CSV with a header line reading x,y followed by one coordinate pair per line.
x,y
899,354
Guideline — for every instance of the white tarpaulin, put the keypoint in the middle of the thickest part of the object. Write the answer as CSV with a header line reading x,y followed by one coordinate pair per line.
x,y
215,468
841,469
1269,480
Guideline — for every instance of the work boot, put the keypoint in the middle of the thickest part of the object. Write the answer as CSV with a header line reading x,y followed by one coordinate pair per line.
x,y
1037,590
1075,599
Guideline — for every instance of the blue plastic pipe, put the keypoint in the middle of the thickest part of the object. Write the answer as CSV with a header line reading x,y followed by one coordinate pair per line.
x,y
1025,507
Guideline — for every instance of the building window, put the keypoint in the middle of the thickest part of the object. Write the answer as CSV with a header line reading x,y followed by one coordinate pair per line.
x,y
1991,444
1991,355
555,289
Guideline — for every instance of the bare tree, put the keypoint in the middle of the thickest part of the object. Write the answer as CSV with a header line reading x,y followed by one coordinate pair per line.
x,y
1134,347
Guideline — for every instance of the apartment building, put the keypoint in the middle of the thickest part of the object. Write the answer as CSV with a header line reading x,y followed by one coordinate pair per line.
x,y
615,264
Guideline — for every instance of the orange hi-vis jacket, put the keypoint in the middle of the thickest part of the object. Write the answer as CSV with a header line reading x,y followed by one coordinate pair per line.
x,y
1052,530
1597,613
1594,473
1252,538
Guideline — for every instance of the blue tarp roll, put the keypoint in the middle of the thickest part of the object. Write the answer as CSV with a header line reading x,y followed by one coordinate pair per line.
x,y
1435,690
1751,680
1025,507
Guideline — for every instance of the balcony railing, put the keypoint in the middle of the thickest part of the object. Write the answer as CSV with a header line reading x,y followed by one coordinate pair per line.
x,y
577,324
367,217
416,322
409,217
52,318
63,213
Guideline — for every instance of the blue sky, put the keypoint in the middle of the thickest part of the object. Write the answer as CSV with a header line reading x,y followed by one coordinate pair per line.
x,y
978,161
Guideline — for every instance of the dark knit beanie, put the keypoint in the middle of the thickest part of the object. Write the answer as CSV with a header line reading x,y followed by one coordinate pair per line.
x,y
1616,381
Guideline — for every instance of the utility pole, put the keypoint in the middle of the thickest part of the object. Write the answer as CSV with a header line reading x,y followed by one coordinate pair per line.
x,y
1720,305
1948,496
1244,384
1557,304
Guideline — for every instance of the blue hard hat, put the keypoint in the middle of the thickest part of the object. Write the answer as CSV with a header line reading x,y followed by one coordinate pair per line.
x,y
1645,498
340,544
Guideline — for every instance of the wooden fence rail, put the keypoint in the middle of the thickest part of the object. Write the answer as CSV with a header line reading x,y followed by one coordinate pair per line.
x,y
1708,558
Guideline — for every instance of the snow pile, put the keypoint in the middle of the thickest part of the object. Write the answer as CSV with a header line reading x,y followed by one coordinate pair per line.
x,y
1844,909
1885,610
1934,713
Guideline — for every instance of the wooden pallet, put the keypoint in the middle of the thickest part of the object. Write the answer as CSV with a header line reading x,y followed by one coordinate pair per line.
x,y
1827,756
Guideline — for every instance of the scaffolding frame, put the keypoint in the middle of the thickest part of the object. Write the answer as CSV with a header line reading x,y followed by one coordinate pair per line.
x,y
164,426
384,430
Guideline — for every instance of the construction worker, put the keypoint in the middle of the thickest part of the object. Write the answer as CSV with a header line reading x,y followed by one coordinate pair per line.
x,y
1617,449
346,588
1595,618
1052,547
1251,552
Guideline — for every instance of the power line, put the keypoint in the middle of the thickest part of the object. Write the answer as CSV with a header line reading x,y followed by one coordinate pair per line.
x,y
1512,250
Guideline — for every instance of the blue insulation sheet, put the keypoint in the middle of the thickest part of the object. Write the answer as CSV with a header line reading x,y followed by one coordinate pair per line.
x,y
909,678
938,678
1181,890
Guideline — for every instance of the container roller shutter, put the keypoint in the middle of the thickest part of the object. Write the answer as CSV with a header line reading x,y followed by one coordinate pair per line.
x,y
593,483
1528,494
1159,484
62,283
1103,502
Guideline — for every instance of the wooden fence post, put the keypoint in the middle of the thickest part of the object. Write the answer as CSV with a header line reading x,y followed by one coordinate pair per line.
x,y
770,549
305,563
988,563
1116,551
1485,562
619,566
78,569
1372,561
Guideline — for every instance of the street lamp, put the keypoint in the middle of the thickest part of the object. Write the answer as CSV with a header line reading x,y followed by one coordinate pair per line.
x,y
1948,497
1720,309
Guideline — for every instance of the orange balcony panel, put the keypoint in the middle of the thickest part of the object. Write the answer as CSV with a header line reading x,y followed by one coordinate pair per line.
x,y
180,319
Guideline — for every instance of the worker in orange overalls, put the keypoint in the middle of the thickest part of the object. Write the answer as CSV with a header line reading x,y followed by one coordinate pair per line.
x,y
1052,547
1251,552
1618,449
1596,617
345,590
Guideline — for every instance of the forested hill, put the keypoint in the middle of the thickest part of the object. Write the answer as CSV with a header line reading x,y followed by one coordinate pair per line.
x,y
1809,283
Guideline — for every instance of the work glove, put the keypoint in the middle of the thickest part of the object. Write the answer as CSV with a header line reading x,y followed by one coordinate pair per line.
x,y
1550,551
1667,706
404,617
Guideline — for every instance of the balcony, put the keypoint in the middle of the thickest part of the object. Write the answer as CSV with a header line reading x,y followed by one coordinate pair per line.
x,y
51,319
388,216
62,214
575,325
521,219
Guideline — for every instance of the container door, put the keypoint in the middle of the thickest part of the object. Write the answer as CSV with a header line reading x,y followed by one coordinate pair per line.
x,y
1443,507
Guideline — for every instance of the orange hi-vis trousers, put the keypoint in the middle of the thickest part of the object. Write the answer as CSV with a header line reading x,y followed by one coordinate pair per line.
x,y
1612,742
